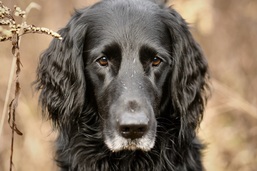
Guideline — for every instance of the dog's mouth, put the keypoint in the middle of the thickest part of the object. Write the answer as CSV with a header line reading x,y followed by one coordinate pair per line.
x,y
118,143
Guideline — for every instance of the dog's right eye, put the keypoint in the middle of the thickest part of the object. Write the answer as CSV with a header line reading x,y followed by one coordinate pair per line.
x,y
103,61
156,61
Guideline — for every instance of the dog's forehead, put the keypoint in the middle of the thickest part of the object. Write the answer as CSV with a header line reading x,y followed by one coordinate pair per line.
x,y
127,22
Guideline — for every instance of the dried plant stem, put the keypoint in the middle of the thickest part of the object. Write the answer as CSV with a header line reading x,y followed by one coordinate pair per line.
x,y
12,140
14,103
13,31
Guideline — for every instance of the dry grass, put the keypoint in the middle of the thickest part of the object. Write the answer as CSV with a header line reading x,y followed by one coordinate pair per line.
x,y
227,32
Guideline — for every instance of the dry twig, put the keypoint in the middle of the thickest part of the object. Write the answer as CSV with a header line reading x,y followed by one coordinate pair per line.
x,y
13,31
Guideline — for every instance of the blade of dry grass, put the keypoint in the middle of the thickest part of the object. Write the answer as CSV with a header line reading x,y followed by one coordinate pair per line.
x,y
7,95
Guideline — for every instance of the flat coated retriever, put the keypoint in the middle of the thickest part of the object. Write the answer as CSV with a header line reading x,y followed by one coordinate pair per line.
x,y
125,88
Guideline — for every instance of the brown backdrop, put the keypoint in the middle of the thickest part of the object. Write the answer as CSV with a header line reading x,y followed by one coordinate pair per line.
x,y
227,31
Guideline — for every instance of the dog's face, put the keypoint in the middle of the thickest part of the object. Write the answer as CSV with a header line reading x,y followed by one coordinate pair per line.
x,y
122,66
128,61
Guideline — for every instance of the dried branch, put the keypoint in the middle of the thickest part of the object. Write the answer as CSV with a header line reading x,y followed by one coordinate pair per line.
x,y
13,31
7,19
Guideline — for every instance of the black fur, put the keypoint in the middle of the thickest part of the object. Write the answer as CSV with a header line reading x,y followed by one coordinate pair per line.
x,y
77,93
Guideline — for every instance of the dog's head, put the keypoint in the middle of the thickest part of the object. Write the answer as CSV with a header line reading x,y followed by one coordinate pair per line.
x,y
132,62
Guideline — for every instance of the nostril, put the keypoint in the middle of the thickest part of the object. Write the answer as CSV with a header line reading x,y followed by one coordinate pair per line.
x,y
142,129
124,129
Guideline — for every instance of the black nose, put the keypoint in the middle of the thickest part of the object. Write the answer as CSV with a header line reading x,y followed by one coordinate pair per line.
x,y
133,125
133,131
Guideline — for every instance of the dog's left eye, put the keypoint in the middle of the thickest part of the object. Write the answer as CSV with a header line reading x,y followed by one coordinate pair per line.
x,y
156,61
103,61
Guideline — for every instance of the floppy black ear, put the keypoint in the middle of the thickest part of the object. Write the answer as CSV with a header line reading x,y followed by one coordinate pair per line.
x,y
60,75
189,77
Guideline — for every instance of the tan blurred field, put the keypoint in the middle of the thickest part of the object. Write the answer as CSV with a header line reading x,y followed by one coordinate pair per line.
x,y
227,32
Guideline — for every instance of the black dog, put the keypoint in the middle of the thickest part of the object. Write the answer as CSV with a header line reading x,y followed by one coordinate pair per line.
x,y
125,88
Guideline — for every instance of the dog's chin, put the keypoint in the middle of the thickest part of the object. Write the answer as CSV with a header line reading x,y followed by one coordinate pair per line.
x,y
118,143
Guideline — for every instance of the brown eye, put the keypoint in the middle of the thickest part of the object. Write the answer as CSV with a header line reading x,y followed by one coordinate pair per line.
x,y
156,61
103,61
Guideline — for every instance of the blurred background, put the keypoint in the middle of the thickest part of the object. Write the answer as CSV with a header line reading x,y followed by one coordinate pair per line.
x,y
227,32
